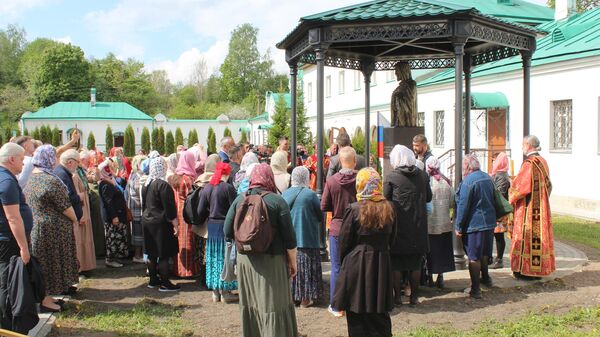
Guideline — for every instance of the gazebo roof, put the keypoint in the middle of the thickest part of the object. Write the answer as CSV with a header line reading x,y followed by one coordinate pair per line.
x,y
419,31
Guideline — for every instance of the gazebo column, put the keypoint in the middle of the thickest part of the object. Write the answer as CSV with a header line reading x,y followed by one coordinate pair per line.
x,y
526,56
459,51
293,91
320,60
367,71
467,71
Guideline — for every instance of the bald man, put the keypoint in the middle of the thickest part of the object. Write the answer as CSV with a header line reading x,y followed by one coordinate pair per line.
x,y
339,192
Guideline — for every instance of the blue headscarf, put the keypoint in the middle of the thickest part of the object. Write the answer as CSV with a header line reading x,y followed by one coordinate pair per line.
x,y
44,159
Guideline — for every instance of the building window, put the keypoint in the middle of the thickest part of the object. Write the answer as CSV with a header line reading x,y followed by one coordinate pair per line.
x,y
562,124
357,80
390,76
439,128
341,83
374,79
328,86
309,92
421,119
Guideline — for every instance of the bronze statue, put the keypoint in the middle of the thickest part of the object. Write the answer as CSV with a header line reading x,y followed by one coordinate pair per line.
x,y
404,98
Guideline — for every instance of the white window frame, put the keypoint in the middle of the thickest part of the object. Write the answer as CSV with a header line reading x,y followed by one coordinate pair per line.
x,y
390,76
327,86
341,82
438,131
309,92
374,79
357,80
421,118
556,134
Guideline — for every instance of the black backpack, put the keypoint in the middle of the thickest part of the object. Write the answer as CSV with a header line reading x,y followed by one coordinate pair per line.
x,y
190,206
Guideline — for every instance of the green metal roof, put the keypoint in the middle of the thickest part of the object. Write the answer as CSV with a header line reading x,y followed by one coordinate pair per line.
x,y
84,110
286,96
577,37
264,116
265,126
488,100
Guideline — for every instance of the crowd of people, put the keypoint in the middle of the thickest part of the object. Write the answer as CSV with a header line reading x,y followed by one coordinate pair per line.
x,y
253,230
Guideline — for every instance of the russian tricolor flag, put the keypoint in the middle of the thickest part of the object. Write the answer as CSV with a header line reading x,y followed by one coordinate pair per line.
x,y
382,122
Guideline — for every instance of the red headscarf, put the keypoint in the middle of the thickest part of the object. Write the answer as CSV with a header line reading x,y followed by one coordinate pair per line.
x,y
222,169
262,178
500,164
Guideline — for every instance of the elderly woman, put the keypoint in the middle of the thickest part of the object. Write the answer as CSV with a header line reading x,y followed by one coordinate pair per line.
x,y
440,259
305,209
215,199
84,236
115,210
266,304
241,177
188,262
501,183
408,188
134,203
475,221
52,237
172,161
123,167
279,164
159,219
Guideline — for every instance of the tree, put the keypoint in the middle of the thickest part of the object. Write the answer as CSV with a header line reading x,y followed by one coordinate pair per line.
x,y
36,133
108,139
178,137
582,5
46,134
358,141
281,121
63,75
155,139
12,44
146,140
226,132
243,137
169,143
161,141
212,141
192,137
303,133
18,132
56,137
91,141
14,101
26,132
129,141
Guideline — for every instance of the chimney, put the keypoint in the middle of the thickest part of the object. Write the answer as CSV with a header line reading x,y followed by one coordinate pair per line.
x,y
564,9
93,96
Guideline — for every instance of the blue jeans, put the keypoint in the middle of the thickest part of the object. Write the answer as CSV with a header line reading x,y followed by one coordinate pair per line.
x,y
334,256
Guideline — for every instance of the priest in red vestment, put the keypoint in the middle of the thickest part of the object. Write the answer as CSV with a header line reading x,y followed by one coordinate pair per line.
x,y
532,249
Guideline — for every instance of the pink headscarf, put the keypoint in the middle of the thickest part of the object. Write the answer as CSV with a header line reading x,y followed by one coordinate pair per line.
x,y
500,164
187,164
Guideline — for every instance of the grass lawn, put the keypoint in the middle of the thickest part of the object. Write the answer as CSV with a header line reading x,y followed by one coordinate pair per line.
x,y
577,322
145,318
577,230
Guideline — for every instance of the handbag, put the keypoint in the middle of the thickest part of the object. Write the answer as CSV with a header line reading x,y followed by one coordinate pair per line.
x,y
501,204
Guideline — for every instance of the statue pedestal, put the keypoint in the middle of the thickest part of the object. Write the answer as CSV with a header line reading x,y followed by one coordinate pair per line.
x,y
394,136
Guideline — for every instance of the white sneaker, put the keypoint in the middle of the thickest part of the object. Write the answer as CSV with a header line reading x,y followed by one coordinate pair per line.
x,y
335,313
113,264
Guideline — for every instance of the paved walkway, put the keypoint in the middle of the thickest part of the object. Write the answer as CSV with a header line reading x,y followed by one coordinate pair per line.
x,y
569,260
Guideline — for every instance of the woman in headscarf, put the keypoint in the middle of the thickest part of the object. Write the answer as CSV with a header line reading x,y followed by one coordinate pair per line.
x,y
134,203
215,199
52,237
172,161
266,304
305,209
115,211
248,159
440,258
188,262
364,285
123,169
501,182
279,164
84,237
159,220
245,183
408,188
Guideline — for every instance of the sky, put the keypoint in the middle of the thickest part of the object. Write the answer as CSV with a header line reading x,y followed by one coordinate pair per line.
x,y
165,34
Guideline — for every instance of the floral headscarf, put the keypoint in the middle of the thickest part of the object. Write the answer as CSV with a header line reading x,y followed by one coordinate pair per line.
x,y
172,162
222,172
187,164
248,159
300,177
105,172
44,158
158,170
500,164
402,156
369,185
433,169
262,177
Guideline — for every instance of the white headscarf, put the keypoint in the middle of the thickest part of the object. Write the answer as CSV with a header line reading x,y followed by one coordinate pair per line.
x,y
300,177
158,169
249,169
402,156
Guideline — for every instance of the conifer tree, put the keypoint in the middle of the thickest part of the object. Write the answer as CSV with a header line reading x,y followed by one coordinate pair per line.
x,y
91,141
36,133
169,143
281,122
243,137
178,137
226,133
129,142
108,138
192,137
145,140
155,139
212,141
161,140
55,137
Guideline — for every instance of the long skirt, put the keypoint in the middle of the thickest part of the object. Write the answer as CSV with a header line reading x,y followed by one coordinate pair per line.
x,y
440,258
266,303
116,241
308,283
84,246
97,224
189,261
215,256
369,324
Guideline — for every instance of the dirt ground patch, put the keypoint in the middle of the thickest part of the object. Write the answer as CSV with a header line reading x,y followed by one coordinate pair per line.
x,y
111,289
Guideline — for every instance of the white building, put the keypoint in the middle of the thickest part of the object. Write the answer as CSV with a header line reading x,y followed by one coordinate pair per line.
x,y
565,107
